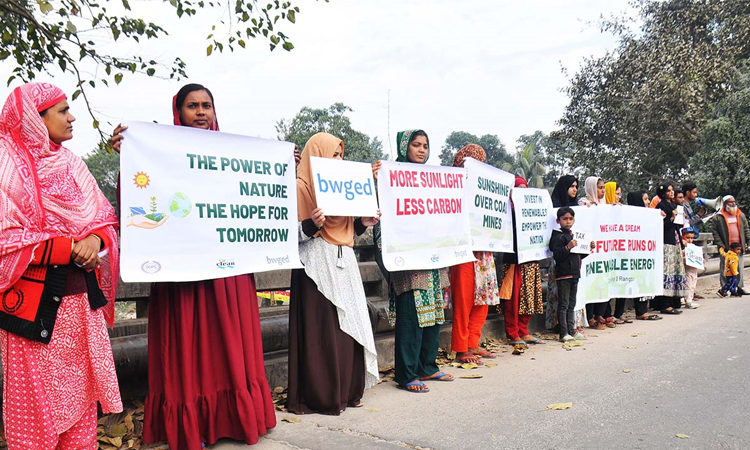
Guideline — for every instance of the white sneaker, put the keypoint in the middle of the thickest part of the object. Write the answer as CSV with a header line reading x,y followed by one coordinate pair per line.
x,y
566,338
579,336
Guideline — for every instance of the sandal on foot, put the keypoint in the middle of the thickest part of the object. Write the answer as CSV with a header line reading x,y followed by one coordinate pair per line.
x,y
535,341
649,317
483,353
406,387
471,359
440,376
670,311
516,342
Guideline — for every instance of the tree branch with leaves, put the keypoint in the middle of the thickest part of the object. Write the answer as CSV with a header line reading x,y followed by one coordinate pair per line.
x,y
71,34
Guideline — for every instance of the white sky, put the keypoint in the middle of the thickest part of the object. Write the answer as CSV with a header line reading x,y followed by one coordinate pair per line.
x,y
478,66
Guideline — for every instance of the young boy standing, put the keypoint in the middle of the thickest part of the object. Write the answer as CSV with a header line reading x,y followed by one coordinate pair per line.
x,y
567,273
691,273
731,269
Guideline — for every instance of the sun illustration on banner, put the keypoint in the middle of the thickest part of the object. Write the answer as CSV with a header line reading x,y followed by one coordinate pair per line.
x,y
141,180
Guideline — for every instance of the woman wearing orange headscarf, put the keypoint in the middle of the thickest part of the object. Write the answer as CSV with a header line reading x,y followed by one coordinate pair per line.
x,y
332,357
58,278
473,288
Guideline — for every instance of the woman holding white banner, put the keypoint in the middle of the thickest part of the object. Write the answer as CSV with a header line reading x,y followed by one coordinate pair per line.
x,y
613,196
473,288
59,266
675,282
416,297
522,291
640,199
327,303
198,394
595,195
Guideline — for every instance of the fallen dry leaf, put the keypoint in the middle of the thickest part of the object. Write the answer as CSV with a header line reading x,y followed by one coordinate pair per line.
x,y
490,364
118,430
291,419
469,366
560,406
626,370
129,423
682,436
279,390
372,409
471,377
518,350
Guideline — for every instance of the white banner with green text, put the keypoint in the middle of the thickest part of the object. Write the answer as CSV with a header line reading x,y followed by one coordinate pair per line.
x,y
199,204
487,197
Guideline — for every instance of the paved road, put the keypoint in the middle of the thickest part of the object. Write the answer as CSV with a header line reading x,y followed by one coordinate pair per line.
x,y
688,374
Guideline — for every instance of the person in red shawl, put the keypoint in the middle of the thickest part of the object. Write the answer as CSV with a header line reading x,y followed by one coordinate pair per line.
x,y
58,278
206,375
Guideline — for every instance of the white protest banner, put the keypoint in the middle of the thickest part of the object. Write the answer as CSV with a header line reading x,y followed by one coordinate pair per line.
x,y
534,217
628,257
694,257
344,188
583,239
424,221
487,199
198,205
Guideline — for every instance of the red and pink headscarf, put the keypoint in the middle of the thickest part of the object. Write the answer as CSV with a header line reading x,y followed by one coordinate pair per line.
x,y
47,191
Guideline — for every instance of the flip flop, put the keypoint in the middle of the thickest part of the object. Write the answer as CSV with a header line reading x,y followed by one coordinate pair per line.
x,y
535,341
438,377
517,342
670,311
414,383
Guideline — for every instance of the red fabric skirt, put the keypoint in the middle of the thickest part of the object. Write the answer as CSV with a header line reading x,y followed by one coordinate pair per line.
x,y
206,375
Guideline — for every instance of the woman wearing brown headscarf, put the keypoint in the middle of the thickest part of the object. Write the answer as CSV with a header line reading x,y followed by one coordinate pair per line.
x,y
332,356
473,287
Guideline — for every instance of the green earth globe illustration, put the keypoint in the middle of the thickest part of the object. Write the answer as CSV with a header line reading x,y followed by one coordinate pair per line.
x,y
180,205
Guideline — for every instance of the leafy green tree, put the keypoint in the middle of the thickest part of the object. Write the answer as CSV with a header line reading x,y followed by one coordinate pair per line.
x,y
497,155
72,35
357,145
104,166
722,164
554,153
636,115
527,163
